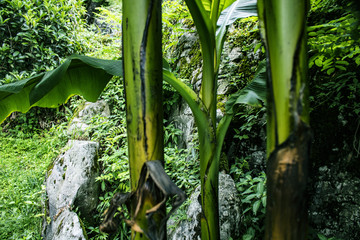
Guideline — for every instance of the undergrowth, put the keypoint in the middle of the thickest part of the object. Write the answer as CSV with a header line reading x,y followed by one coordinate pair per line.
x,y
23,164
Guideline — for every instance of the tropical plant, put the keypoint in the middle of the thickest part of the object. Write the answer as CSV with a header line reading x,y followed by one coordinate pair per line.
x,y
142,52
211,20
283,25
142,64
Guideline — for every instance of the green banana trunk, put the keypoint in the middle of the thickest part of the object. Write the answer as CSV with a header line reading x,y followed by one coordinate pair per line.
x,y
142,61
283,24
209,173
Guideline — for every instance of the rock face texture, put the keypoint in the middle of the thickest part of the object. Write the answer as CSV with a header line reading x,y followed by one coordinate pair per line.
x,y
335,204
66,226
70,185
229,207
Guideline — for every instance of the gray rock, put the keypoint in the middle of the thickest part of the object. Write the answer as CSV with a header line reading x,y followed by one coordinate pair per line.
x,y
223,86
188,39
67,226
184,120
335,203
235,55
258,160
229,207
229,214
188,229
71,183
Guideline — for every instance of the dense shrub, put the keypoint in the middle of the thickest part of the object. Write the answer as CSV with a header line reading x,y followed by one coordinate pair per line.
x,y
35,35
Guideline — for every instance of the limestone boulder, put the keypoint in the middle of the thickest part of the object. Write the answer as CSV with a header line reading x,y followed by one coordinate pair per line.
x,y
66,226
71,184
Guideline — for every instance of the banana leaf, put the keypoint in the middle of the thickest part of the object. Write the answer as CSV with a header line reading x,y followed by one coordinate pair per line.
x,y
78,75
238,9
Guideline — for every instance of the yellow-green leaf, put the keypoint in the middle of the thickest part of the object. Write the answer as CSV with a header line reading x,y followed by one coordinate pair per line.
x,y
78,75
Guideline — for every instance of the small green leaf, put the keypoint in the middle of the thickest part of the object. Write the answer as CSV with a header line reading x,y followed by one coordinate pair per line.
x,y
330,71
357,60
244,137
256,206
39,215
247,237
342,62
322,237
257,47
248,190
260,188
103,186
340,67
251,196
318,62
263,200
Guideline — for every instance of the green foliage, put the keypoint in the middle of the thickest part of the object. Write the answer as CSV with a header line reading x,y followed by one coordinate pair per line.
x,y
252,190
23,164
36,35
334,61
176,21
250,122
254,94
182,165
333,46
106,42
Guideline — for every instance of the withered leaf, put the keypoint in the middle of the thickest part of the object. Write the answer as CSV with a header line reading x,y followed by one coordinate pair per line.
x,y
154,184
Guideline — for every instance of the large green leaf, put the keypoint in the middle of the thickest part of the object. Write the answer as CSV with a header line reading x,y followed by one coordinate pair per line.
x,y
238,9
78,75
216,5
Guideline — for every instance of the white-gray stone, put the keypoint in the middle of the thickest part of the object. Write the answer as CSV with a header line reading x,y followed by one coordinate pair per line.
x,y
184,120
235,54
229,214
71,184
66,226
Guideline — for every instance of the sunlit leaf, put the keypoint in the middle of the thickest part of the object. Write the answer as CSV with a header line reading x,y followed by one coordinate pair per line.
x,y
263,200
260,188
256,206
239,9
330,71
78,75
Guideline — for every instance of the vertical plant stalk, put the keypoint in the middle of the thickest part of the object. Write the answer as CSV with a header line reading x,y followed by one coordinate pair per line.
x,y
283,24
142,61
209,164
